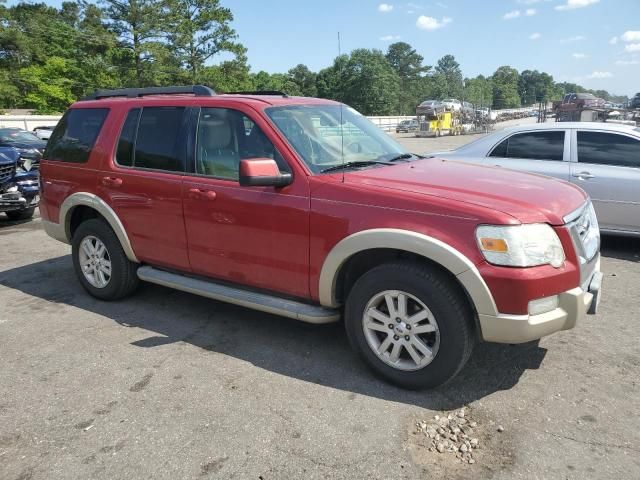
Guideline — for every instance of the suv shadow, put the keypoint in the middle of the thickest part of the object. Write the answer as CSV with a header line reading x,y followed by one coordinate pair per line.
x,y
312,353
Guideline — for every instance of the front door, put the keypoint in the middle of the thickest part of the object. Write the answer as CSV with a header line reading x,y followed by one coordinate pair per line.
x,y
254,236
608,169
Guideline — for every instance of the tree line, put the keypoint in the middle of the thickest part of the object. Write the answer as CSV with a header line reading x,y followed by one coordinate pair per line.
x,y
50,57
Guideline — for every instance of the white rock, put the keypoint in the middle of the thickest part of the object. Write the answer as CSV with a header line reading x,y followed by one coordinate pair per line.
x,y
464,448
461,413
500,428
440,447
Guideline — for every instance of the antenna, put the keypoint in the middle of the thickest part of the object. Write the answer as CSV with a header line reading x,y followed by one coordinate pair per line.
x,y
341,100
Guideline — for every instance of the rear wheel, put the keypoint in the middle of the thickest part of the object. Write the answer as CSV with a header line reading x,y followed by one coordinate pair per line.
x,y
100,262
410,323
25,214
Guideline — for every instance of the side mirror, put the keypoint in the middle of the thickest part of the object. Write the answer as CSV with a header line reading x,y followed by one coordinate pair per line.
x,y
262,172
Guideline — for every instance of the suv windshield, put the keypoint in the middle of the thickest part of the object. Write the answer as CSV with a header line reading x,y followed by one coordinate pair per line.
x,y
318,136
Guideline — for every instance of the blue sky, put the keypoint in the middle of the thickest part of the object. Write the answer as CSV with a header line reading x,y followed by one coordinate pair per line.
x,y
592,42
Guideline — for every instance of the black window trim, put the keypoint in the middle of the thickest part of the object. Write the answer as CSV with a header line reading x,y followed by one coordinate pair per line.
x,y
191,167
564,143
184,132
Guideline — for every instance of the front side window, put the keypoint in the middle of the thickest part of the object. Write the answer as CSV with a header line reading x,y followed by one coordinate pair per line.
x,y
159,142
532,145
225,137
75,134
603,148
329,135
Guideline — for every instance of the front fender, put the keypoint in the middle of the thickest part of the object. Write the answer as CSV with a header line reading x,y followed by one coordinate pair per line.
x,y
428,247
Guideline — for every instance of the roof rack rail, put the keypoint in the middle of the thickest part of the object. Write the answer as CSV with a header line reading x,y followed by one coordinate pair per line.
x,y
260,92
197,90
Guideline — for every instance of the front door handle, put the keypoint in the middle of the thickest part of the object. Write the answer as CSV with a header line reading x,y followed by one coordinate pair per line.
x,y
202,193
111,181
583,175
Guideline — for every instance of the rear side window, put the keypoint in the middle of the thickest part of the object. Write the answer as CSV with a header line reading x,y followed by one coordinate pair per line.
x,y
75,134
532,145
608,149
158,143
124,153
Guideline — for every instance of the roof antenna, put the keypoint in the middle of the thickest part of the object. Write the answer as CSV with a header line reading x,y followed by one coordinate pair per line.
x,y
341,107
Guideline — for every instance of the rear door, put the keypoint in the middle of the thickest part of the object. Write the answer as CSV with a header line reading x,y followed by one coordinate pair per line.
x,y
539,151
608,169
144,186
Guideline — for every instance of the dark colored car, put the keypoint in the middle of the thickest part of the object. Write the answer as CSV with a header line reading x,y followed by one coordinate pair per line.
x,y
432,106
28,145
407,126
18,184
635,101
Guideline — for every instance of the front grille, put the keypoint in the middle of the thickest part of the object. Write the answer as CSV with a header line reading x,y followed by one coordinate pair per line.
x,y
585,233
6,172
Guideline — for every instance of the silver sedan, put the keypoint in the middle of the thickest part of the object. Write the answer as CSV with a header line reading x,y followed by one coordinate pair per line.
x,y
601,158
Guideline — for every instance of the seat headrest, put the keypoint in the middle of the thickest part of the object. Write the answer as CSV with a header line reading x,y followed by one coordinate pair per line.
x,y
216,133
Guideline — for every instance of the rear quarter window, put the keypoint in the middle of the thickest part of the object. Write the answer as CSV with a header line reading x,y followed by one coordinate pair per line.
x,y
75,135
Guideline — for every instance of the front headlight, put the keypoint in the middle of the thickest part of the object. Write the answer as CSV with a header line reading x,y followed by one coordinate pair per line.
x,y
520,245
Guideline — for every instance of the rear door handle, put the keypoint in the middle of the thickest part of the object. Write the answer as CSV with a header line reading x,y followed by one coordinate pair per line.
x,y
202,193
111,181
583,175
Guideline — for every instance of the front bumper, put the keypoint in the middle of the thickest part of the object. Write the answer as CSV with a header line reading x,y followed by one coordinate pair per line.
x,y
573,306
21,193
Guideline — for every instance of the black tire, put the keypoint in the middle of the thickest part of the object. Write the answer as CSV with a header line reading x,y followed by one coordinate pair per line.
x,y
124,278
25,214
445,300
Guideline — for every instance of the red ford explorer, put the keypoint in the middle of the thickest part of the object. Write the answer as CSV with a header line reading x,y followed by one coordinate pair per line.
x,y
301,207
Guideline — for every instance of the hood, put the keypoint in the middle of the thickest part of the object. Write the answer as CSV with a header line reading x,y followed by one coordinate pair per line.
x,y
529,198
8,156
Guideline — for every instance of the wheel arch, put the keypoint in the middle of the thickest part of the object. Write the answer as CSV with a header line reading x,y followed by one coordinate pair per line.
x,y
78,202
384,240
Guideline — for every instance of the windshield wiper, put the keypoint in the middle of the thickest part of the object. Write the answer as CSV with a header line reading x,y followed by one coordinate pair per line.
x,y
361,163
403,156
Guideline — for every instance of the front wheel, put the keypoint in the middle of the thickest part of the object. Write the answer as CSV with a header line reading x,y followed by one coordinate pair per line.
x,y
410,323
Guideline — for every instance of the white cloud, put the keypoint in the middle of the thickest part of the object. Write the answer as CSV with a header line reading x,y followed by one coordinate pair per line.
x,y
573,4
613,40
511,15
389,38
530,12
630,36
577,38
430,23
596,75
632,47
579,55
385,7
627,62
534,36
414,6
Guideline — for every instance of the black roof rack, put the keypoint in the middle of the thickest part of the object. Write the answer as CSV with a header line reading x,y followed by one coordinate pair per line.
x,y
260,92
197,90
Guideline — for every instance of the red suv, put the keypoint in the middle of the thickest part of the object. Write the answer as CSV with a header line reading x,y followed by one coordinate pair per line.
x,y
301,207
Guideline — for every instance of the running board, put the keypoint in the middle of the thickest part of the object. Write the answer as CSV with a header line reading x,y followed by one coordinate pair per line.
x,y
245,298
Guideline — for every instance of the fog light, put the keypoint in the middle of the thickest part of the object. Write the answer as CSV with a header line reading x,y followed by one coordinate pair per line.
x,y
543,305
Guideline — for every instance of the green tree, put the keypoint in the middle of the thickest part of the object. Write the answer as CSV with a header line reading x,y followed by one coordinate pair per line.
x,y
479,91
450,69
407,64
137,23
304,80
199,30
49,85
535,86
505,88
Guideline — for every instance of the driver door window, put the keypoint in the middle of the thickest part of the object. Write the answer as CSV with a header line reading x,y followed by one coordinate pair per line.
x,y
225,137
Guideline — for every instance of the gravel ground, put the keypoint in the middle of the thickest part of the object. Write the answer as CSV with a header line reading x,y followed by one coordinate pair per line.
x,y
169,385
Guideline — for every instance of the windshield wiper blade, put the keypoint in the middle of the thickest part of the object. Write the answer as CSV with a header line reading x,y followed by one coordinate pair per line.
x,y
404,156
361,163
